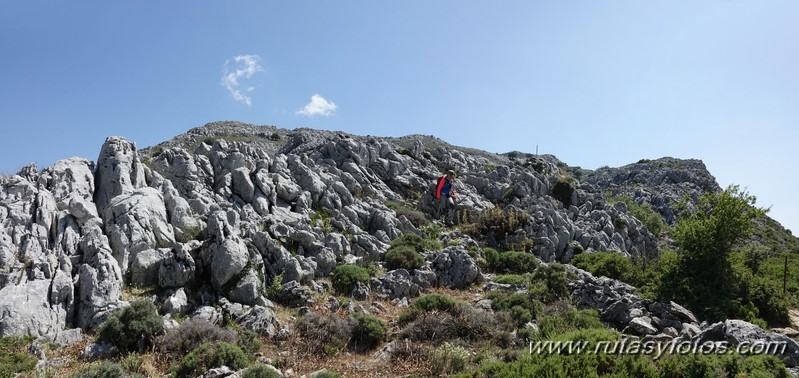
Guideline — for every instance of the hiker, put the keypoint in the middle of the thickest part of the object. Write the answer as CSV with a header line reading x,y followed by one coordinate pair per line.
x,y
445,195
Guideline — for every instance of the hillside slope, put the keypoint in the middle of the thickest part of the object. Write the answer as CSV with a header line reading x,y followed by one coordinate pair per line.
x,y
209,220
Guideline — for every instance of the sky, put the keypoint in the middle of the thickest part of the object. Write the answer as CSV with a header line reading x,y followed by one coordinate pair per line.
x,y
594,82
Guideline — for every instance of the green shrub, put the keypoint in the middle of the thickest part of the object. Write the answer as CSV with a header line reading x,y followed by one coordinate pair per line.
x,y
643,212
260,371
345,276
512,279
403,257
704,278
552,326
430,303
510,262
521,306
369,332
211,355
608,264
552,279
324,373
762,365
275,288
133,328
249,340
416,242
14,357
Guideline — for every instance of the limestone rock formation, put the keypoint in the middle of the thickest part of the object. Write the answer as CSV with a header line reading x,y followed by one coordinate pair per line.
x,y
228,208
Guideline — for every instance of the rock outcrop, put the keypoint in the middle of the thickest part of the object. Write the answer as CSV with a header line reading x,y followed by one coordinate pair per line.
x,y
229,207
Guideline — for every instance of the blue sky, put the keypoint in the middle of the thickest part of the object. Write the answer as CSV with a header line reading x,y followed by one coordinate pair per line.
x,y
593,82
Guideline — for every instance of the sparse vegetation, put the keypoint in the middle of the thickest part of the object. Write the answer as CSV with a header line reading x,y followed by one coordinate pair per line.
x,y
643,212
181,340
416,217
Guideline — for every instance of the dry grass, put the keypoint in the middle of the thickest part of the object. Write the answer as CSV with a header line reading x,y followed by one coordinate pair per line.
x,y
407,359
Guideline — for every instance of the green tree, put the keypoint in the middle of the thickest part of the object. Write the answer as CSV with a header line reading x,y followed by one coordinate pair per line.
x,y
703,278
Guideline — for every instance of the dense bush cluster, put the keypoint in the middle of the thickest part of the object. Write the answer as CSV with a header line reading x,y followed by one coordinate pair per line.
x,y
133,328
510,261
403,257
345,276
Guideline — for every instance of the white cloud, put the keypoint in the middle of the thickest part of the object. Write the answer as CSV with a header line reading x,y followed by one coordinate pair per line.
x,y
318,106
242,67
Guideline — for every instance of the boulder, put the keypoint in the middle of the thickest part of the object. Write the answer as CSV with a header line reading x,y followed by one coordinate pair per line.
x,y
261,320
455,269
135,222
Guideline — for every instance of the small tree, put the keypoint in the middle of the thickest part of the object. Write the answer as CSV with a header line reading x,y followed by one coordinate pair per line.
x,y
133,328
703,278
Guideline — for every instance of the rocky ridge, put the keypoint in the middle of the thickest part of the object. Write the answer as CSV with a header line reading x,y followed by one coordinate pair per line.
x,y
212,216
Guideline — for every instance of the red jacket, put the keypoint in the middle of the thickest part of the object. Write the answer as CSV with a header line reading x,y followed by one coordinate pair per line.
x,y
441,183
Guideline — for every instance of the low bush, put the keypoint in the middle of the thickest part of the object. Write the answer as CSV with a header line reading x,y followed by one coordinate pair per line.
x,y
549,282
416,217
510,262
345,276
403,257
430,303
495,225
326,335
179,341
608,264
568,320
260,371
512,279
133,328
650,218
14,357
449,359
416,242
521,306
369,331
208,356
105,369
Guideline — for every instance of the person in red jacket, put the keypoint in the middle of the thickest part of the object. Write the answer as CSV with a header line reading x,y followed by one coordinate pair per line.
x,y
445,195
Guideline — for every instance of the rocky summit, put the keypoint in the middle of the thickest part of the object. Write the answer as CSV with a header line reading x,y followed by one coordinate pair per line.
x,y
209,219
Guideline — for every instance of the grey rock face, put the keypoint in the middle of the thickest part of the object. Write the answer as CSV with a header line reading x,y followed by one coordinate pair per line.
x,y
177,269
136,222
396,284
455,269
119,171
261,320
